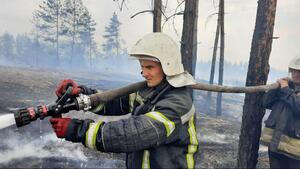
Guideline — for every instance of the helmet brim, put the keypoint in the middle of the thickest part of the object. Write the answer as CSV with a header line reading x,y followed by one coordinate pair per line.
x,y
182,79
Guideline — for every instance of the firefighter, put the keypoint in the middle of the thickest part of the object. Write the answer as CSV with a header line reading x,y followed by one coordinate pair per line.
x,y
282,128
160,133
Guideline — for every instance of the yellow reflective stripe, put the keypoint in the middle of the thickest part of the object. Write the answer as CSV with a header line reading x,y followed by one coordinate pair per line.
x,y
91,135
169,125
289,145
146,160
132,97
98,108
139,99
193,146
266,136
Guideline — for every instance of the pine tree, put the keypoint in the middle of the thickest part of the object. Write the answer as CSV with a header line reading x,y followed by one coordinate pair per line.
x,y
24,50
67,25
7,42
86,32
50,23
36,34
112,45
71,12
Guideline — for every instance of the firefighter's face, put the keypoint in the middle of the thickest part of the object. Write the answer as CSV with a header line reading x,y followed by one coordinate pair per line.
x,y
295,75
152,72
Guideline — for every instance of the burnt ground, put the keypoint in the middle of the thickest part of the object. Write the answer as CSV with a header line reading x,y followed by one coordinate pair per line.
x,y
23,87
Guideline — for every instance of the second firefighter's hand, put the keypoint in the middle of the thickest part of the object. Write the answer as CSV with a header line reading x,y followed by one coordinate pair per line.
x,y
283,82
63,86
60,126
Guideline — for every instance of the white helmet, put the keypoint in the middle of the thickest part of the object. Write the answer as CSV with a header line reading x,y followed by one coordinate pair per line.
x,y
162,47
295,63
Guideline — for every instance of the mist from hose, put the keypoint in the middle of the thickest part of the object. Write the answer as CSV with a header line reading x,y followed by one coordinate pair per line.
x,y
7,120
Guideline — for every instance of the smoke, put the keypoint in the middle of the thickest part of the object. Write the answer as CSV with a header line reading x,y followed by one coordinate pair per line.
x,y
20,146
214,138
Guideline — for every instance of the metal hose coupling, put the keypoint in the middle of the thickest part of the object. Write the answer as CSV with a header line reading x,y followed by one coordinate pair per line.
x,y
84,102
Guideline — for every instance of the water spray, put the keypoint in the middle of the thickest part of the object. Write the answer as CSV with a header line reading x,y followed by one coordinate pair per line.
x,y
7,120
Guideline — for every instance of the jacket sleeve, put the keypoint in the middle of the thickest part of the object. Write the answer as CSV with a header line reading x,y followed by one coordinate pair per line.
x,y
270,98
290,98
115,107
159,126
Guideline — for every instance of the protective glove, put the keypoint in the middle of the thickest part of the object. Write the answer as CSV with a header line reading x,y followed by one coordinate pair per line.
x,y
87,91
60,126
63,86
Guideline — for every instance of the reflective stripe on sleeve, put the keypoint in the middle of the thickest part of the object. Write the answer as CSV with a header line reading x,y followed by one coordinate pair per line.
x,y
132,97
91,135
98,108
193,146
139,99
169,125
146,160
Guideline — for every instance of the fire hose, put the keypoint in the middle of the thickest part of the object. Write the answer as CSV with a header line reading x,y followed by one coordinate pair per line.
x,y
67,103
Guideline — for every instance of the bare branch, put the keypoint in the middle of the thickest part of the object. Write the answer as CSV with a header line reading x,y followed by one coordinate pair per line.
x,y
141,13
169,17
173,22
209,18
121,5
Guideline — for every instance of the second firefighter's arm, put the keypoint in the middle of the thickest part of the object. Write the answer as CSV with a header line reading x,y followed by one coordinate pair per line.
x,y
270,98
291,99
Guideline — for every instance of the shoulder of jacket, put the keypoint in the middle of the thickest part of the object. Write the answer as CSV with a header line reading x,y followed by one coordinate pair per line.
x,y
178,97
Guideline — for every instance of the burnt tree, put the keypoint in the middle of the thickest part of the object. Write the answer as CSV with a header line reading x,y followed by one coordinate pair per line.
x,y
189,36
258,71
157,16
221,61
213,63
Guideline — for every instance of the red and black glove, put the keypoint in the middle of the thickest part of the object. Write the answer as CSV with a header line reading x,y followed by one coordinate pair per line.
x,y
60,126
63,86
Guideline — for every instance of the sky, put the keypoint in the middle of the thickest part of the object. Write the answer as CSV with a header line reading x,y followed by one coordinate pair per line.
x,y
240,18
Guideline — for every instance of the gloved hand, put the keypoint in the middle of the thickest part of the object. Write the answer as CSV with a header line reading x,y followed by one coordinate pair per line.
x,y
283,82
63,86
60,126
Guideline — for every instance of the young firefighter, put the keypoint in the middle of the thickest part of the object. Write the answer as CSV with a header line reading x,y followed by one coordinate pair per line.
x,y
282,131
160,133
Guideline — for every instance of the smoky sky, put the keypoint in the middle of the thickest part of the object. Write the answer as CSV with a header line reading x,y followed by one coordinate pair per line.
x,y
240,16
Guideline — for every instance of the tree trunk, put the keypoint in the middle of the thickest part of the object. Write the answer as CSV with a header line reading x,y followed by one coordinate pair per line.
x,y
189,36
73,33
57,36
90,49
157,16
37,51
221,63
213,62
258,70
